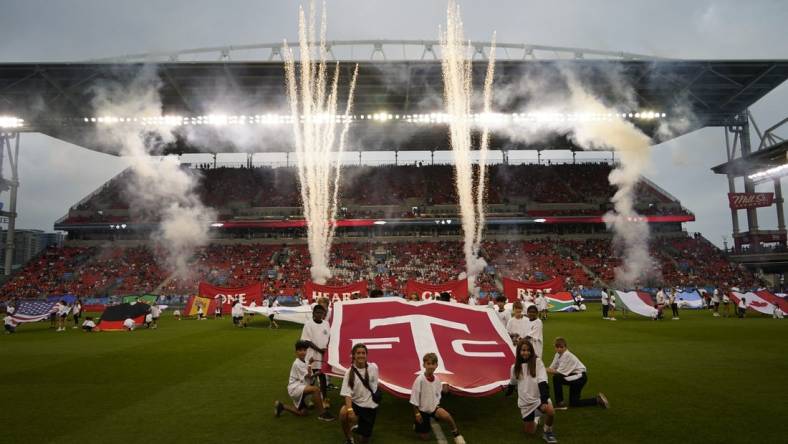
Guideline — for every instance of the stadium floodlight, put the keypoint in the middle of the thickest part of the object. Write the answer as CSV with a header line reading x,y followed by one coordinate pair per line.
x,y
11,122
217,225
540,221
379,222
770,173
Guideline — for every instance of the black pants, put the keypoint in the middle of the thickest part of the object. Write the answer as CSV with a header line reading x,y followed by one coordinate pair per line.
x,y
575,389
605,309
76,320
675,307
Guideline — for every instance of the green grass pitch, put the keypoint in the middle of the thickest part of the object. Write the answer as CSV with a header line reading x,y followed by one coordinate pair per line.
x,y
699,379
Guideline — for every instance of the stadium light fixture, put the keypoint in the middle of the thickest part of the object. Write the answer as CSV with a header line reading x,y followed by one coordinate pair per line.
x,y
217,225
770,173
379,222
433,118
540,221
11,122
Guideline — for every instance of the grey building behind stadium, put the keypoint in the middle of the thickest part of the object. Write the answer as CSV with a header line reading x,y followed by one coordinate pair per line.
x,y
29,243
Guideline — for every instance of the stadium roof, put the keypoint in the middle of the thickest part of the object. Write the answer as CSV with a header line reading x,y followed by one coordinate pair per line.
x,y
55,98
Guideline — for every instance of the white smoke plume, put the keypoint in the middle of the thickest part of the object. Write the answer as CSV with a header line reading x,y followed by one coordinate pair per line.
x,y
581,123
313,105
159,188
458,92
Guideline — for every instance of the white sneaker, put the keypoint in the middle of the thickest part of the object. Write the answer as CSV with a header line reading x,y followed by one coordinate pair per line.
x,y
459,439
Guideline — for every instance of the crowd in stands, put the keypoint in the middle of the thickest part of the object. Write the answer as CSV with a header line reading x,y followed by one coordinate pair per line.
x,y
404,185
93,271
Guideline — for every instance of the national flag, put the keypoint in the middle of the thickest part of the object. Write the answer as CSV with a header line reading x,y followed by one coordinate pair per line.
x,y
638,302
33,311
114,315
561,301
194,302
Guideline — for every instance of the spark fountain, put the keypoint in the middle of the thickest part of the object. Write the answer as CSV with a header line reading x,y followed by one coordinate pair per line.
x,y
458,92
313,105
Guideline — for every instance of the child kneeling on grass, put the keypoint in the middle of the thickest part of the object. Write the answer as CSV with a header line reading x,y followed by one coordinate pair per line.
x,y
529,377
568,370
298,388
425,398
88,325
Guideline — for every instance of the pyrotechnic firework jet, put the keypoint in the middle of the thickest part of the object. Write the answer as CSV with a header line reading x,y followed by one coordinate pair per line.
x,y
313,105
458,91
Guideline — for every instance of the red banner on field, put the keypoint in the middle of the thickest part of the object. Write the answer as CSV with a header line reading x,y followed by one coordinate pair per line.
x,y
457,289
474,351
739,201
517,290
355,290
227,296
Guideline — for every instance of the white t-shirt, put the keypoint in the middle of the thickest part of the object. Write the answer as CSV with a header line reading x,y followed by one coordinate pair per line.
x,y
318,334
89,323
504,315
237,311
62,309
298,375
155,311
741,303
660,297
148,318
519,327
128,324
528,397
9,321
725,298
568,365
359,394
426,395
535,328
605,298
10,309
76,309
715,298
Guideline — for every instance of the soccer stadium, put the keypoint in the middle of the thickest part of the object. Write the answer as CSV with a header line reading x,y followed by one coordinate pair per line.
x,y
417,232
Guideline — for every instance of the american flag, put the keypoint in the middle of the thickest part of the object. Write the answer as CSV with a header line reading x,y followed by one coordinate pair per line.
x,y
33,311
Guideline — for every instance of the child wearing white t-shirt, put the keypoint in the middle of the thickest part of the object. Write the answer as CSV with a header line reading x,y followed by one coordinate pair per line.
x,y
529,377
535,334
299,387
316,333
425,397
518,326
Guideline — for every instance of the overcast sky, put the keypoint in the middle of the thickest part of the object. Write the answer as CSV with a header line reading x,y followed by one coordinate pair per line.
x,y
54,175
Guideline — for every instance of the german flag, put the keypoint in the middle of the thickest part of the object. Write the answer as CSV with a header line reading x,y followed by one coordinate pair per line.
x,y
114,315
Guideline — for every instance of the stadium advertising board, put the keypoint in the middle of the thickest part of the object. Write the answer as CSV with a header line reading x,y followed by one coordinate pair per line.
x,y
517,290
457,289
355,290
227,296
739,201
474,351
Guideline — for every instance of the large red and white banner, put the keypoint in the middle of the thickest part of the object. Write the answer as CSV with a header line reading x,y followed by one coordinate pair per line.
x,y
457,289
518,290
739,201
355,290
474,351
227,296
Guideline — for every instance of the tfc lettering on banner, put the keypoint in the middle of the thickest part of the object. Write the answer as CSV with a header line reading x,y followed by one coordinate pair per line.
x,y
231,298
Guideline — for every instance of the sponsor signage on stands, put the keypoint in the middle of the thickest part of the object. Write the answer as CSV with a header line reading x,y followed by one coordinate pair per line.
x,y
739,201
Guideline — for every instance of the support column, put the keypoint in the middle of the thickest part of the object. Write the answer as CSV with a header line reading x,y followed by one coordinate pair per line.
x,y
13,161
778,203
359,157
749,186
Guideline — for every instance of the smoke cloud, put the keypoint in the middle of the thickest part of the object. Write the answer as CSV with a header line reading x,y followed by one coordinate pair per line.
x,y
159,190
